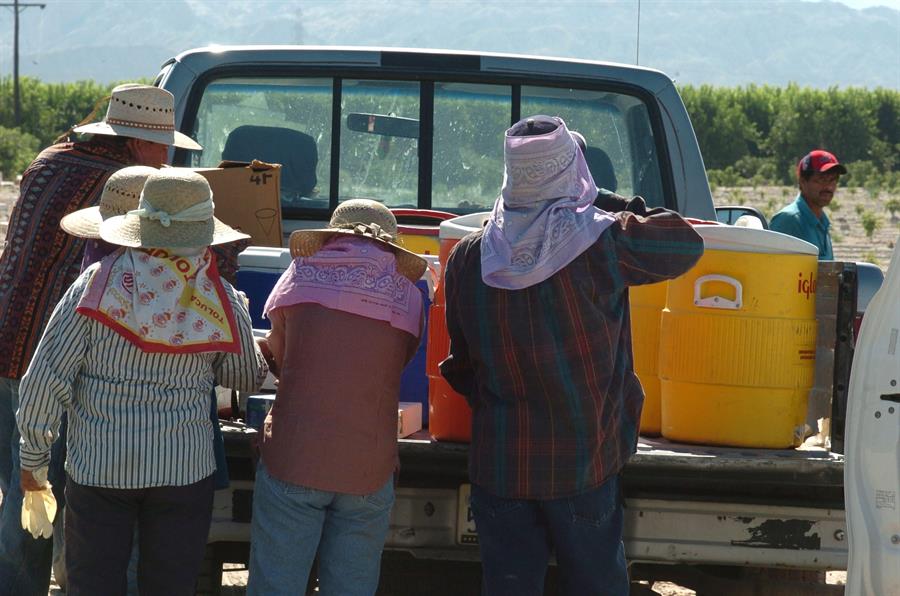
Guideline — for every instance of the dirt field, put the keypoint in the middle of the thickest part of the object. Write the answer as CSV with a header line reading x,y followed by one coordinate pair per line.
x,y
849,209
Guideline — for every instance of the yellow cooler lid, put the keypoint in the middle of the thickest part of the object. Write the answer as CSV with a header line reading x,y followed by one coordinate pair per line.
x,y
738,239
463,225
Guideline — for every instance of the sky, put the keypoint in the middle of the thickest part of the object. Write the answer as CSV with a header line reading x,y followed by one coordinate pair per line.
x,y
867,3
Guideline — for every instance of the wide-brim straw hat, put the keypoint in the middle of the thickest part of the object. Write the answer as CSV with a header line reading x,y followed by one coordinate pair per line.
x,y
363,218
121,194
141,112
175,211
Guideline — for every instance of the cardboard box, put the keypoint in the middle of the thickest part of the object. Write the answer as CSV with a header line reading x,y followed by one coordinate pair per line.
x,y
248,198
409,418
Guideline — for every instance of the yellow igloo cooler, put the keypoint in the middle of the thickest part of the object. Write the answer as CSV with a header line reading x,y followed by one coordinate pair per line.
x,y
738,341
647,303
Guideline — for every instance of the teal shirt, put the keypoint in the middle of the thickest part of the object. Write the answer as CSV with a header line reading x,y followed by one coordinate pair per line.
x,y
798,220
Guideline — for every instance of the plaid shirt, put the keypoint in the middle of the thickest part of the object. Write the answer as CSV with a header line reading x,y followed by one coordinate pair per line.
x,y
548,369
40,261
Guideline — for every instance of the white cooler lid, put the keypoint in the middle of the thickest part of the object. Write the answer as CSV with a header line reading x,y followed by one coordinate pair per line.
x,y
463,225
265,258
738,239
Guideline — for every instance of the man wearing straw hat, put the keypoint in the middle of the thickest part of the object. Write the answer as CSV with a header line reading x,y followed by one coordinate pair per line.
x,y
40,261
132,351
346,318
540,345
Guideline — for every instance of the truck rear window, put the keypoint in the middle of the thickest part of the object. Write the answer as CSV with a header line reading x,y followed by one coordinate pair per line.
x,y
420,144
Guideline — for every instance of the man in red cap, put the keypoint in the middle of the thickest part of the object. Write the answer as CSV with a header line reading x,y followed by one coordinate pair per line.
x,y
817,177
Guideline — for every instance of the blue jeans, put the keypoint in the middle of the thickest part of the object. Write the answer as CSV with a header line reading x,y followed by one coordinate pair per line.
x,y
291,522
517,536
24,561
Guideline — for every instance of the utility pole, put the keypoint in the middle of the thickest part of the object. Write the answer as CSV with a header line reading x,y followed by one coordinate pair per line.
x,y
637,52
18,7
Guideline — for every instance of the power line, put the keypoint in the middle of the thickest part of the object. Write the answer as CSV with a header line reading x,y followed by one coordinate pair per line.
x,y
18,7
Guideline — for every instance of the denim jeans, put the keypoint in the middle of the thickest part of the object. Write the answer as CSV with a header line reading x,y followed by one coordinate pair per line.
x,y
24,561
517,536
291,522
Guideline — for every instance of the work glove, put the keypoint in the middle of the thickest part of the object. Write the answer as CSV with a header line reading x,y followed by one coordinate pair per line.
x,y
39,507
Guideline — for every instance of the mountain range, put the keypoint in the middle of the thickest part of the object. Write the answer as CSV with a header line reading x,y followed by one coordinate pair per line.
x,y
717,42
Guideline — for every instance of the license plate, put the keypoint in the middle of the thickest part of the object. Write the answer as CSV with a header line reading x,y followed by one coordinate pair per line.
x,y
465,521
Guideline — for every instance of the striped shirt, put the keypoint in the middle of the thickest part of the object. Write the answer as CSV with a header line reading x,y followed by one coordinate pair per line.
x,y
40,261
548,369
136,419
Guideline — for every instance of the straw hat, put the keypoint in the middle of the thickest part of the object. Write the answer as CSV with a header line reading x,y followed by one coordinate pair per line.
x,y
141,112
120,195
367,219
175,211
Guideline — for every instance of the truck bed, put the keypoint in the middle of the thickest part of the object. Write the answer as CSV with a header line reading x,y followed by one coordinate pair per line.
x,y
811,476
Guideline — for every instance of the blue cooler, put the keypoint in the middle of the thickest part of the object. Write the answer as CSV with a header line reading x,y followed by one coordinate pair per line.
x,y
258,407
414,382
262,266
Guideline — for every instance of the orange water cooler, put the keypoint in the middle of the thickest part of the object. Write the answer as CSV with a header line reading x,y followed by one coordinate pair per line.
x,y
449,418
417,229
647,304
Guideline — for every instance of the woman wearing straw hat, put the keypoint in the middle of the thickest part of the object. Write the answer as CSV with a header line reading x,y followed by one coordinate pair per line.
x,y
346,318
40,263
121,194
132,352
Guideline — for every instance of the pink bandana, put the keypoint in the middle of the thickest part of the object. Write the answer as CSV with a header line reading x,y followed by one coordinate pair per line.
x,y
353,275
544,217
162,302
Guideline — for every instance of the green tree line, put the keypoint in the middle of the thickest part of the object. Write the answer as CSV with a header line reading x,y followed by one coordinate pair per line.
x,y
48,110
756,134
748,135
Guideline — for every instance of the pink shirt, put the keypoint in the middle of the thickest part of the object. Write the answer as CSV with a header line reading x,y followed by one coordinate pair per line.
x,y
334,423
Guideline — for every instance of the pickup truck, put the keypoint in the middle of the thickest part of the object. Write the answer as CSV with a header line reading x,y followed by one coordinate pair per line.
x,y
422,130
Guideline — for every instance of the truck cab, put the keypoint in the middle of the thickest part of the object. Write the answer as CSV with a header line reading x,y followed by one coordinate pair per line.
x,y
423,129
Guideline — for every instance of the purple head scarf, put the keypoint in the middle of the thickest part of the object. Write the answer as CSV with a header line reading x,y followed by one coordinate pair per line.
x,y
354,275
545,214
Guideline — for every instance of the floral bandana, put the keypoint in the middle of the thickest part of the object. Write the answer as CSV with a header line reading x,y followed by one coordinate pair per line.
x,y
163,302
354,275
544,217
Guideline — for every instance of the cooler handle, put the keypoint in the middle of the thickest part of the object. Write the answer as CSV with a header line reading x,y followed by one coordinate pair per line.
x,y
718,301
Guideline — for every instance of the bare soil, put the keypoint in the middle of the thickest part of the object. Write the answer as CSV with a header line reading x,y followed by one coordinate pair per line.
x,y
847,212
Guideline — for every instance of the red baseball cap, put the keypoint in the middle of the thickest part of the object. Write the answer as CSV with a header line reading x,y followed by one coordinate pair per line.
x,y
819,161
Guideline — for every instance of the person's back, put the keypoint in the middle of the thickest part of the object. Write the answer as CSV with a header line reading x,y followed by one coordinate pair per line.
x,y
334,424
556,358
346,318
38,264
131,353
40,260
540,345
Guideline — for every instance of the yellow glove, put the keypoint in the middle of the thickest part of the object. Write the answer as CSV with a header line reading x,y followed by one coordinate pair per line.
x,y
39,507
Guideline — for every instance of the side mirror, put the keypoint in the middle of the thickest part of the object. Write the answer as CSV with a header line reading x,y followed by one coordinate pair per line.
x,y
730,215
385,125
